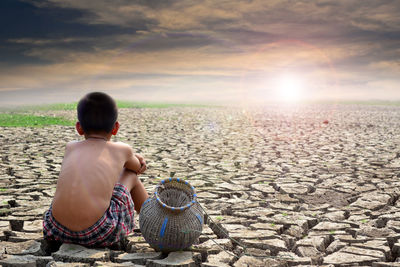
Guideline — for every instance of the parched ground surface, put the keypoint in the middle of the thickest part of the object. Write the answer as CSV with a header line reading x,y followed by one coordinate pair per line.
x,y
289,188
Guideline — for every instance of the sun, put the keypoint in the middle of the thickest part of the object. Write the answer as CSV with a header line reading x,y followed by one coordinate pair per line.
x,y
289,88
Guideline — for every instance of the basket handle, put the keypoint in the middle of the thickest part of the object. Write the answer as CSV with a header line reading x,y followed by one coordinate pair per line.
x,y
182,208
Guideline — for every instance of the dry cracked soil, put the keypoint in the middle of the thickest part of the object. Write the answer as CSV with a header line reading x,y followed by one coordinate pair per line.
x,y
281,186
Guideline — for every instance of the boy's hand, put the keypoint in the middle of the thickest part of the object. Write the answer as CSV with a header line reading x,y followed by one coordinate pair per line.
x,y
143,166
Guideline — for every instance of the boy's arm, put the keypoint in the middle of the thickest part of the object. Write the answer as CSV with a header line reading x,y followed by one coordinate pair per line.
x,y
143,165
132,163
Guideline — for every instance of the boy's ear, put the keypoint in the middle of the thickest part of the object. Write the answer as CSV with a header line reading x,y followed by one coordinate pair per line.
x,y
79,129
116,128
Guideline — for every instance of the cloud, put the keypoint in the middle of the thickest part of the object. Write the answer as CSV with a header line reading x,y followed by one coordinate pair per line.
x,y
42,41
247,23
204,46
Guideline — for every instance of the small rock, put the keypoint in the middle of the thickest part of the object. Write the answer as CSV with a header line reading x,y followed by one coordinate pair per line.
x,y
287,220
214,264
20,248
4,226
268,226
33,226
221,259
77,253
138,258
295,230
114,264
335,216
138,247
214,246
378,244
257,252
349,239
331,226
294,260
42,261
369,205
274,245
265,188
250,234
386,264
319,242
375,232
67,264
246,261
362,251
335,246
180,258
14,236
308,252
13,260
294,188
340,258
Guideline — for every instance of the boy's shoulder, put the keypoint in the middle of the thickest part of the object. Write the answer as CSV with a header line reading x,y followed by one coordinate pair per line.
x,y
120,144
115,145
71,144
123,147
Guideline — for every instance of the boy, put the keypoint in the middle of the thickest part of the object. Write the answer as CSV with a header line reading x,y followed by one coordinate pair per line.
x,y
98,186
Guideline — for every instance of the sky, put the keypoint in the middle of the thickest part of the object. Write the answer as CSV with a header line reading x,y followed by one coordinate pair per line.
x,y
195,51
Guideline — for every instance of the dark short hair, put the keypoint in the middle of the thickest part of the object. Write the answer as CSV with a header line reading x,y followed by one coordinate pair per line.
x,y
97,112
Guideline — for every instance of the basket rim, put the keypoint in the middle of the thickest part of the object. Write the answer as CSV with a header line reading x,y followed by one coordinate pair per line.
x,y
162,182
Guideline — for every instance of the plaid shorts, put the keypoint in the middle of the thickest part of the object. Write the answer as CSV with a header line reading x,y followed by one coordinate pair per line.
x,y
116,223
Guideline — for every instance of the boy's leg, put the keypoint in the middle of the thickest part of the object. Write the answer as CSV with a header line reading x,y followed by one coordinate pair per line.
x,y
135,187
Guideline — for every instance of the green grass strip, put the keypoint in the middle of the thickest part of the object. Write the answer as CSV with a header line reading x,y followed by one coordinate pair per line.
x,y
26,120
120,104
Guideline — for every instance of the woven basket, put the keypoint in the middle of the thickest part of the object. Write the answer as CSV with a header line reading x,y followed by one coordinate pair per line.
x,y
172,219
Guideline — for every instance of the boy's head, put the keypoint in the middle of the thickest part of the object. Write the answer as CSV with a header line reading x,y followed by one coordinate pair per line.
x,y
97,112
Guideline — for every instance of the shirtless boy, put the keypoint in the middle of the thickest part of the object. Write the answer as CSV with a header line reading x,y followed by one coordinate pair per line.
x,y
98,186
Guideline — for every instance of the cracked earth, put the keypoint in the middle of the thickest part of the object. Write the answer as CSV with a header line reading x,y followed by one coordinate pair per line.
x,y
282,186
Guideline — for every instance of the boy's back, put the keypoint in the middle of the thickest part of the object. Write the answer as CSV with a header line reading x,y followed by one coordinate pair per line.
x,y
98,187
88,174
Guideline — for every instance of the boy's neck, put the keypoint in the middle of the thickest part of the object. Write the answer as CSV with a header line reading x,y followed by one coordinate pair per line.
x,y
97,136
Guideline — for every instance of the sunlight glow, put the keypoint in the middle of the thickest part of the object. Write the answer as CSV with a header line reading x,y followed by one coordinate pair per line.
x,y
289,88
